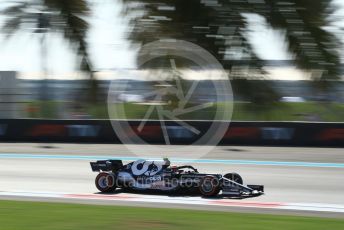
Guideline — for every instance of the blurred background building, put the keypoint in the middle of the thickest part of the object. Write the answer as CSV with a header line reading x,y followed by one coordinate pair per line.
x,y
11,95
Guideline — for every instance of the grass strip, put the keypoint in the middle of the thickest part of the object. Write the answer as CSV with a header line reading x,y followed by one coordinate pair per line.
x,y
40,215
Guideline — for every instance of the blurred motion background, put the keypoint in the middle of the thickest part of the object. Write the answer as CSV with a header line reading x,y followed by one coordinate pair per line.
x,y
284,59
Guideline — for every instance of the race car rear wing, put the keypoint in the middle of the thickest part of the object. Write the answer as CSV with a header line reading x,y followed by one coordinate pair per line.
x,y
106,165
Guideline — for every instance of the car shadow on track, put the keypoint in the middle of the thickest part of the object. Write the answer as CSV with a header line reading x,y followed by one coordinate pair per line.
x,y
184,194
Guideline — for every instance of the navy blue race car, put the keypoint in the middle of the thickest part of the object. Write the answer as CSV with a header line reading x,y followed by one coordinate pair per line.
x,y
160,176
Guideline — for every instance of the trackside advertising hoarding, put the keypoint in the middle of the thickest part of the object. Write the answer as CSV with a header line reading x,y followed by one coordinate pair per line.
x,y
242,133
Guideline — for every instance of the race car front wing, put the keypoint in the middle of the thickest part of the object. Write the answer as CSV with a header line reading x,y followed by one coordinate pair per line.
x,y
232,188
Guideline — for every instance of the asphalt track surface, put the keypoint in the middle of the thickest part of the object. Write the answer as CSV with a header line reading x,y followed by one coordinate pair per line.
x,y
290,176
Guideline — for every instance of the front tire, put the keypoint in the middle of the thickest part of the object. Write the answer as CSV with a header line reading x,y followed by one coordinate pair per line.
x,y
105,182
234,177
209,186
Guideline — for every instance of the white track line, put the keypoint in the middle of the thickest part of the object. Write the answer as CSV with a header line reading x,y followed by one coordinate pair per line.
x,y
320,207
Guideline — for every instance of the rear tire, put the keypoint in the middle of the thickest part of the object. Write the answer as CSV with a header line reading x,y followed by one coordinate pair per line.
x,y
209,186
234,177
105,182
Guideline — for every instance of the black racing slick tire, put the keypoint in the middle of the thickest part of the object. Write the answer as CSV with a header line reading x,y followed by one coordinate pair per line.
x,y
234,177
209,186
105,182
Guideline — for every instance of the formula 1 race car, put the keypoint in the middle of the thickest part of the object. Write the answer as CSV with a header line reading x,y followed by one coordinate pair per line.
x,y
160,176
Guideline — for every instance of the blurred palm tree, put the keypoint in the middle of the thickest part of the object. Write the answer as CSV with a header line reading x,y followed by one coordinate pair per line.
x,y
220,26
66,17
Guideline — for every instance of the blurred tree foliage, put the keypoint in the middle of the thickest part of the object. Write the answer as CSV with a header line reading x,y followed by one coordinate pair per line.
x,y
220,27
66,17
